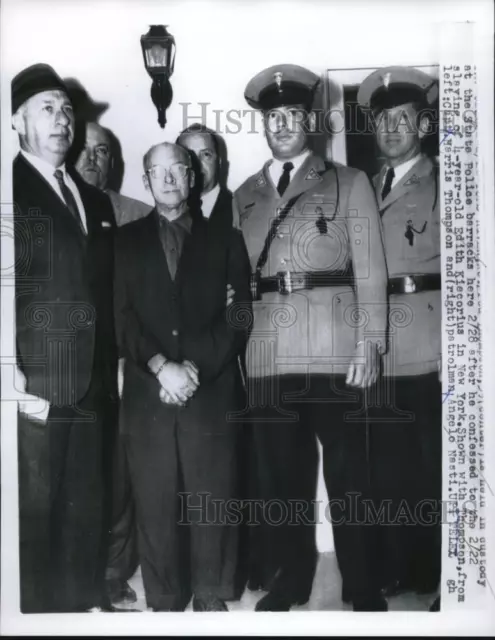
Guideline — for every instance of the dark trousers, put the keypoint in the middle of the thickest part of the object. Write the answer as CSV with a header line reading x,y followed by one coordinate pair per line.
x,y
406,452
122,561
181,480
286,413
61,507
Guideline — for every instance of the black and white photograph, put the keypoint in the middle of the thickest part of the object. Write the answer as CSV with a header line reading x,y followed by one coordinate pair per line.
x,y
247,282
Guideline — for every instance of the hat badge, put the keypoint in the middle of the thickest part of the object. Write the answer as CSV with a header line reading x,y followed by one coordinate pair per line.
x,y
386,79
277,76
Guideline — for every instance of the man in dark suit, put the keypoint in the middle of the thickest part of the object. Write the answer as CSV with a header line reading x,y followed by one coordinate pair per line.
x,y
65,349
214,199
96,160
181,381
96,164
204,144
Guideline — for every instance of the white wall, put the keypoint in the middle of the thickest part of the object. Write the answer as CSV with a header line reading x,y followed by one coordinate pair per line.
x,y
220,46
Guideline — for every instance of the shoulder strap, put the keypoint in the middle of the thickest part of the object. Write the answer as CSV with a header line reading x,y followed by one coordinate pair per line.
x,y
281,217
276,222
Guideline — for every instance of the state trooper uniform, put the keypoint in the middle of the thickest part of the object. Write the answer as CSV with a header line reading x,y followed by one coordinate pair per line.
x,y
406,416
319,285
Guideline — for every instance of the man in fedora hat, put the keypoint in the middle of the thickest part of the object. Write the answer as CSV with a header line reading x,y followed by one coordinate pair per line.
x,y
66,351
406,426
313,235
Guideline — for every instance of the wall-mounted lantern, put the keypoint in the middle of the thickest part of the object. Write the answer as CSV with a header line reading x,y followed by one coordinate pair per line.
x,y
159,57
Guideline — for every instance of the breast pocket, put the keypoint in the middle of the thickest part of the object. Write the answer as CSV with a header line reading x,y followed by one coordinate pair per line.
x,y
421,230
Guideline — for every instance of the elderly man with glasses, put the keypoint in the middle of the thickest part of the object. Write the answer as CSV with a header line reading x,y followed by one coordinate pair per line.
x,y
181,382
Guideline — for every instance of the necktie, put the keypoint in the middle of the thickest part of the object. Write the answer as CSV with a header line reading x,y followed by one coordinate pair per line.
x,y
68,196
283,183
387,185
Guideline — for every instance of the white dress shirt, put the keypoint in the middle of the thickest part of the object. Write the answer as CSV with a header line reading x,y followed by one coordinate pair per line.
x,y
401,170
276,167
47,171
208,201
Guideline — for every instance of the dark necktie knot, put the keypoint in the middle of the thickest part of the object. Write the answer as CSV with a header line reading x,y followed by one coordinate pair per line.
x,y
387,185
283,183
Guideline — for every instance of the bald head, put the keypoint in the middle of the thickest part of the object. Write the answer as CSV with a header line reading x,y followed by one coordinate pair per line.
x,y
168,175
165,150
95,160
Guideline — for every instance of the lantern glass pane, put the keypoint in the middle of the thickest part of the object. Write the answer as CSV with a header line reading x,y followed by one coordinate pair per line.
x,y
156,56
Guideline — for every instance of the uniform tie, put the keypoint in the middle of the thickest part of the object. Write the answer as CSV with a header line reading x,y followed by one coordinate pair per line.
x,y
283,183
68,196
387,185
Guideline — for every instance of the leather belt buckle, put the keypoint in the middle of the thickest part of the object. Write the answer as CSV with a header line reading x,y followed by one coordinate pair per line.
x,y
288,282
255,286
284,282
410,284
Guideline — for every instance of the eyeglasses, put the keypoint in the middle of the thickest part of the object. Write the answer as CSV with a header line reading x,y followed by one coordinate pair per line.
x,y
177,171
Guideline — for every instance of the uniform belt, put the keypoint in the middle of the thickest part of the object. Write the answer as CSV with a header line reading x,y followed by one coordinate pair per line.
x,y
415,284
286,282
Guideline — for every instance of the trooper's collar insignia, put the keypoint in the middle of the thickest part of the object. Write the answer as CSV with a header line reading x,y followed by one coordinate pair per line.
x,y
412,180
260,182
312,175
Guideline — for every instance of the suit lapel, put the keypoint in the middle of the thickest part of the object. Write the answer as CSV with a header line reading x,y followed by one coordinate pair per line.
x,y
377,183
31,170
222,211
88,203
408,182
54,207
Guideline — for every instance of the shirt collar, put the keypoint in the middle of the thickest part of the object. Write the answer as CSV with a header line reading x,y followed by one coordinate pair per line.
x,y
401,169
208,201
297,161
45,168
184,220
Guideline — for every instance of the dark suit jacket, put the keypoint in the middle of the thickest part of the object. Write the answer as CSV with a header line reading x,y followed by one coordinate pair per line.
x,y
222,211
185,318
64,289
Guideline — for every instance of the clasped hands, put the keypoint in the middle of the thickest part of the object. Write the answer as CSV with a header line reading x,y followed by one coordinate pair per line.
x,y
178,382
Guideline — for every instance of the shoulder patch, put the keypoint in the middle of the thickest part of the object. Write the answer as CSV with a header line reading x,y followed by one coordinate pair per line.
x,y
412,180
312,175
260,181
